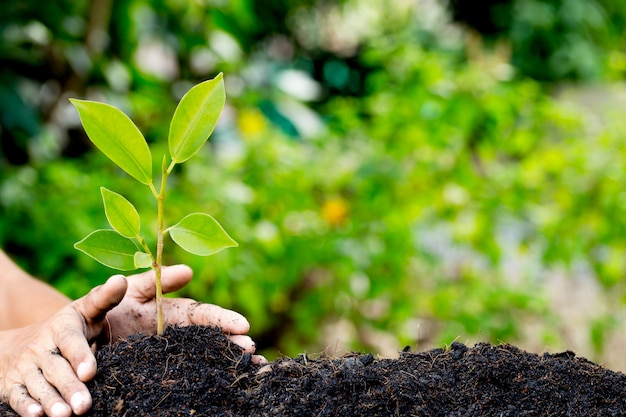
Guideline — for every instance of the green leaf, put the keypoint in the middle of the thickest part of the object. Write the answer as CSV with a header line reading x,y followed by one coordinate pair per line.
x,y
200,234
117,137
109,248
121,214
143,260
195,118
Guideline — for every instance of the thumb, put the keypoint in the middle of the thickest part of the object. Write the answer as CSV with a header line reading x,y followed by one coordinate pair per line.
x,y
94,306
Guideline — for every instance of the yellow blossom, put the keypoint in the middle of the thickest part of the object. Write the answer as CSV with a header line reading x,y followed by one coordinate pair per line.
x,y
335,211
251,122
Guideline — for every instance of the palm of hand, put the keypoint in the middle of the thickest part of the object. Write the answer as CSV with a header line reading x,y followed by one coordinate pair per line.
x,y
136,313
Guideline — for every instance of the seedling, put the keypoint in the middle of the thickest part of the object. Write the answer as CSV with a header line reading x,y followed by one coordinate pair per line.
x,y
123,247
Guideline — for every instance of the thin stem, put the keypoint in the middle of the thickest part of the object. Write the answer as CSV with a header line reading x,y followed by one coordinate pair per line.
x,y
171,167
159,251
155,193
144,246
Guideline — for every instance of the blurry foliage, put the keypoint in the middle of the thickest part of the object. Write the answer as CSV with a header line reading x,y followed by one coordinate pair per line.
x,y
387,174
552,40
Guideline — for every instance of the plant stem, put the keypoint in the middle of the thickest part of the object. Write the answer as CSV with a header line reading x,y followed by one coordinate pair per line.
x,y
159,250
144,246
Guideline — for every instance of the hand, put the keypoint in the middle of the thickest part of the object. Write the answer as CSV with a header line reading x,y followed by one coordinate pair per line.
x,y
139,304
43,366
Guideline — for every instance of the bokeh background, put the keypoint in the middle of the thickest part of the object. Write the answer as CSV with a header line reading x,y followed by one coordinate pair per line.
x,y
397,173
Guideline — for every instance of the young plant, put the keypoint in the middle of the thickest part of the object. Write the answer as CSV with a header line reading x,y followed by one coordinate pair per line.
x,y
123,247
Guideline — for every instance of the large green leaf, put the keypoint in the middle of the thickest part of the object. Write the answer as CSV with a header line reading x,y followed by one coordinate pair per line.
x,y
109,248
200,234
117,137
195,118
121,213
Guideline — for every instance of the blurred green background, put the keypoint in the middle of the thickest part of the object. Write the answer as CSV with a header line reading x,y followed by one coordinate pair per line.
x,y
396,173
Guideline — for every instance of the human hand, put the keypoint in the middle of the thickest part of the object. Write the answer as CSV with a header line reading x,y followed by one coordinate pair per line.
x,y
43,366
137,311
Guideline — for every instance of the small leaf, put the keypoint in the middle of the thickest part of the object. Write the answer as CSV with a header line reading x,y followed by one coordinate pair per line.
x,y
143,260
195,118
110,249
121,214
117,137
200,234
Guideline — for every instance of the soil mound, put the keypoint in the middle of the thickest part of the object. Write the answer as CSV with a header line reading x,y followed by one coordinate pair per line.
x,y
196,371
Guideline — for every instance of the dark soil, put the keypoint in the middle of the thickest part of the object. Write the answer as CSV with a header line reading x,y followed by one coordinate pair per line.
x,y
195,371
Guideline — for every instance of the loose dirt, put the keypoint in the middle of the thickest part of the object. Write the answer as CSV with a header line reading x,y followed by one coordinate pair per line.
x,y
196,371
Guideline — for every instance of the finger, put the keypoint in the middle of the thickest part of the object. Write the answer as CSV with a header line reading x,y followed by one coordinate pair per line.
x,y
248,346
75,349
173,278
39,389
245,342
21,401
92,309
94,306
60,374
259,360
211,315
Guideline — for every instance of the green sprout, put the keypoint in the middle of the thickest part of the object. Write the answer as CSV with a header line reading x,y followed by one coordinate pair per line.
x,y
114,134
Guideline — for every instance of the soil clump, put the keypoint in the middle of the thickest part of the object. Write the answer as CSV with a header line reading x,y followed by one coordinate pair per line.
x,y
197,371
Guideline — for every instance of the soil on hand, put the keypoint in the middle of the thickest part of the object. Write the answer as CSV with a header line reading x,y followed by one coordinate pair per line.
x,y
196,371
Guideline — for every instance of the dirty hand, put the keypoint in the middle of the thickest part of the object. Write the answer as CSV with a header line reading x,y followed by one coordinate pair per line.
x,y
137,311
43,366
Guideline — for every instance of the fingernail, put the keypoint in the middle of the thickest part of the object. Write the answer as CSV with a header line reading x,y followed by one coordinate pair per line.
x,y
60,409
264,369
78,401
82,371
35,410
